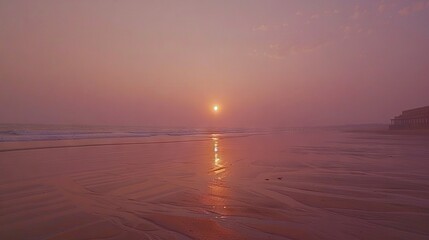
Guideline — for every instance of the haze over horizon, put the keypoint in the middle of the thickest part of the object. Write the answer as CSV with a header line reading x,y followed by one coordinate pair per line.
x,y
165,63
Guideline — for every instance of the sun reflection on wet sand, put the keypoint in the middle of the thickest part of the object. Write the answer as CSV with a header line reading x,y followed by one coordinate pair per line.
x,y
218,190
218,165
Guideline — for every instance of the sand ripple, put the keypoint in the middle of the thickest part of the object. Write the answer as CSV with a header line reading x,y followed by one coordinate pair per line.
x,y
259,187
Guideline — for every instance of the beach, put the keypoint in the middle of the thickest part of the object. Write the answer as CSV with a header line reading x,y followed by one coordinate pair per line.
x,y
302,184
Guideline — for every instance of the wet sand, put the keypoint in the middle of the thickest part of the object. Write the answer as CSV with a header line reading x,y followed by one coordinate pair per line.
x,y
297,185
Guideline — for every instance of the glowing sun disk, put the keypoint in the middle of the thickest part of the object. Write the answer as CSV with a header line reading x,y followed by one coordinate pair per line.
x,y
216,108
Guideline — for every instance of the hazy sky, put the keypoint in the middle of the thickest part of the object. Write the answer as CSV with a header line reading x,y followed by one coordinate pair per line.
x,y
267,63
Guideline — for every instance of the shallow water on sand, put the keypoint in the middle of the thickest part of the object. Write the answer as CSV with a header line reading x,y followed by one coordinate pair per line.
x,y
295,185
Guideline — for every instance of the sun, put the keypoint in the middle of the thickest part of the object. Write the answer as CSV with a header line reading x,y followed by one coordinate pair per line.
x,y
216,108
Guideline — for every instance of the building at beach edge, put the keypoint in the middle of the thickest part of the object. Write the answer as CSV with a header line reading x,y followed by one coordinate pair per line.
x,y
417,118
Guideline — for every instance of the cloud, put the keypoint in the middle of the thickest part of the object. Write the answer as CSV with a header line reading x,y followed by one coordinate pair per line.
x,y
383,7
261,28
414,8
331,12
387,5
266,28
280,51
310,32
315,16
358,12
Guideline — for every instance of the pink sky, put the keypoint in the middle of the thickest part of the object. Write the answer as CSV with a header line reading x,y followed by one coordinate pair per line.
x,y
164,63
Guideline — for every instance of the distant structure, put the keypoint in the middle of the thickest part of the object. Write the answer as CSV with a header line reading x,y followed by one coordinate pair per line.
x,y
417,118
